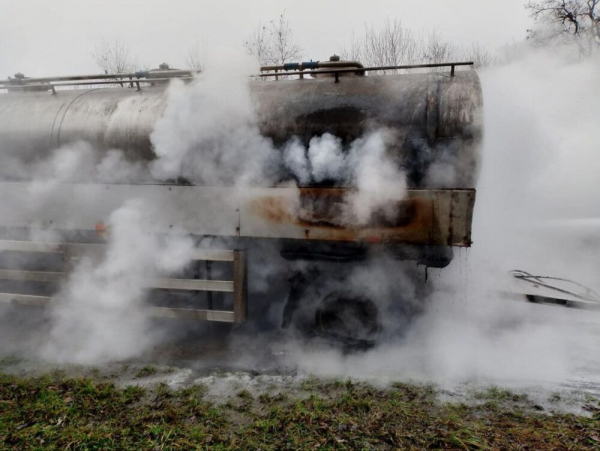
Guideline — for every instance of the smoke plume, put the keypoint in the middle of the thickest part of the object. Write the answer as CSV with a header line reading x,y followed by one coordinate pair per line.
x,y
208,135
537,203
100,314
537,210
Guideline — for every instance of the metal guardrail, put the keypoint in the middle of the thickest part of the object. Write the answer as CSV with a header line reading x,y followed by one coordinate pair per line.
x,y
136,78
122,83
337,72
237,286
149,75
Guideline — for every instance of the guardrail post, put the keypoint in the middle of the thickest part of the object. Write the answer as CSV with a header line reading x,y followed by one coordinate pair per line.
x,y
209,294
240,304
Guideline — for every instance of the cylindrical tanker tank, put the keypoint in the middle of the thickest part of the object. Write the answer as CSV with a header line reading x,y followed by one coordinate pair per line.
x,y
436,118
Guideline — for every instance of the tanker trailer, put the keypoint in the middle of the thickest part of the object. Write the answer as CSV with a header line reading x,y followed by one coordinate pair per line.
x,y
436,119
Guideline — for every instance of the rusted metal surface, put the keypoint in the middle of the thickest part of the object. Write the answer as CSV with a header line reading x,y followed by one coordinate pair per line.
x,y
436,217
432,217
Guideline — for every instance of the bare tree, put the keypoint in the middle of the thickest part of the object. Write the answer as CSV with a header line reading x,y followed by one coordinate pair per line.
x,y
259,45
433,49
508,53
392,45
567,21
480,56
355,51
274,44
114,57
196,56
284,46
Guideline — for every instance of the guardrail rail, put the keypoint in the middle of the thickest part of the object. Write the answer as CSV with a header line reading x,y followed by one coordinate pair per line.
x,y
72,251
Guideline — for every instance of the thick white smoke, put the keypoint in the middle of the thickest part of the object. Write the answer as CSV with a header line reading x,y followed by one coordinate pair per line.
x,y
77,162
327,159
379,183
366,166
73,162
541,163
208,134
537,209
99,313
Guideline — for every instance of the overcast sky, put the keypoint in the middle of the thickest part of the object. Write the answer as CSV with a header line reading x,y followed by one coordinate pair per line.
x,y
56,37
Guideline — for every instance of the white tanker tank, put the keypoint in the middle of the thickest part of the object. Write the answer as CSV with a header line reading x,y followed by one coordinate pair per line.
x,y
436,117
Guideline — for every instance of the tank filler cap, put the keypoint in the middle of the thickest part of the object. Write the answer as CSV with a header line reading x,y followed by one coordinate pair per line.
x,y
164,66
334,58
18,79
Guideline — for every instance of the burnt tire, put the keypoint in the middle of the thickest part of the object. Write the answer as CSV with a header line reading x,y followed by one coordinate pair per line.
x,y
351,321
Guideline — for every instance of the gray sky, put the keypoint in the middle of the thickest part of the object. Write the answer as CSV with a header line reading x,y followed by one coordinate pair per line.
x,y
56,37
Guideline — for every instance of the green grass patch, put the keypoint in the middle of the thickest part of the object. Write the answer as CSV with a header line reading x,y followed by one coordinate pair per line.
x,y
499,394
57,413
9,360
146,371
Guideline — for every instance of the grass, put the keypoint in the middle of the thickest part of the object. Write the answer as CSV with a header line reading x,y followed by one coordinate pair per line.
x,y
55,412
9,360
245,394
499,394
146,371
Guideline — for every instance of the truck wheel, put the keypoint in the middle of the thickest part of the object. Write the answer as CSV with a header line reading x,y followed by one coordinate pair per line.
x,y
352,321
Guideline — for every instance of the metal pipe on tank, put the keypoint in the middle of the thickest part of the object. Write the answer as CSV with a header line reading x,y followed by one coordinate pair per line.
x,y
313,65
134,75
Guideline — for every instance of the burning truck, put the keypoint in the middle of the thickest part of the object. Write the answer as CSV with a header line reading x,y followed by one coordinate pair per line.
x,y
433,112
